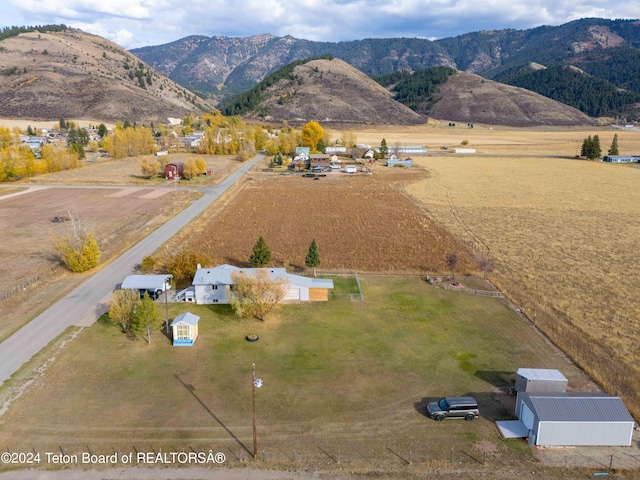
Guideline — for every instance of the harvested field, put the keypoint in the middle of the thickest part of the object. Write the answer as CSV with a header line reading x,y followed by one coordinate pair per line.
x,y
360,222
126,171
563,235
119,218
499,141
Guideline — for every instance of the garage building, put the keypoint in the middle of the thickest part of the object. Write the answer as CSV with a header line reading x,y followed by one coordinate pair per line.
x,y
575,419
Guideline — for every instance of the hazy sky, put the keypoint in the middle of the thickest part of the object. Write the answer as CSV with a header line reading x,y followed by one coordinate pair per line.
x,y
137,23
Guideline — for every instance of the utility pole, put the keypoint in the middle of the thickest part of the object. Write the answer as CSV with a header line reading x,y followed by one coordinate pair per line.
x,y
253,387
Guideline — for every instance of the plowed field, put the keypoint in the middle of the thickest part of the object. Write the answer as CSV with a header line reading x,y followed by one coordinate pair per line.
x,y
360,222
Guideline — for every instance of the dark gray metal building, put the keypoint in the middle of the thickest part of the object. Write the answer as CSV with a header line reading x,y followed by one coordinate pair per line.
x,y
575,419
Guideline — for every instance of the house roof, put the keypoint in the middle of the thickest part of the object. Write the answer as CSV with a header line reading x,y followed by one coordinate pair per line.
x,y
186,318
541,374
148,282
221,275
578,407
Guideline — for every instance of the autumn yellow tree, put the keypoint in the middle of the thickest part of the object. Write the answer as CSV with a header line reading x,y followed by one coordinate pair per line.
x,y
149,167
312,133
257,295
78,249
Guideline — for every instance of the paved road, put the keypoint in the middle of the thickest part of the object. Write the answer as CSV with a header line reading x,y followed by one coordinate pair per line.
x,y
84,305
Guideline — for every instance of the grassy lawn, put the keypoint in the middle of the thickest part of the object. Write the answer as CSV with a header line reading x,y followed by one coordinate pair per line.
x,y
341,378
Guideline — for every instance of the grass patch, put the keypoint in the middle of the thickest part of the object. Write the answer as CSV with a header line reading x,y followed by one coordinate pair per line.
x,y
347,373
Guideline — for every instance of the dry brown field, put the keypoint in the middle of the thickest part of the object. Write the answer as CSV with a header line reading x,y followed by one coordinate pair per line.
x,y
30,277
498,140
361,222
563,236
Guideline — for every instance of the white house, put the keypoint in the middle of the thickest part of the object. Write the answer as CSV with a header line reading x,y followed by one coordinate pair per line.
x,y
213,285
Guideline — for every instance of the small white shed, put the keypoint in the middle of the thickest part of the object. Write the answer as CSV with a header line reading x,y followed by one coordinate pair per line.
x,y
185,329
540,380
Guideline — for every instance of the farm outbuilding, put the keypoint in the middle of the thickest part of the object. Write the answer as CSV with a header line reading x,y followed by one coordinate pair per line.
x,y
407,162
173,170
464,150
540,380
213,285
621,159
574,419
185,329
154,285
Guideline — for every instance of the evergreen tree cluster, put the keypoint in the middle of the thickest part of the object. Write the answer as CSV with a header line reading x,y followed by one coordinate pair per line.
x,y
416,90
591,147
594,96
15,31
249,100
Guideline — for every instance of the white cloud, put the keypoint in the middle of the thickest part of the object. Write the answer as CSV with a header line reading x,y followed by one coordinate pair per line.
x,y
133,23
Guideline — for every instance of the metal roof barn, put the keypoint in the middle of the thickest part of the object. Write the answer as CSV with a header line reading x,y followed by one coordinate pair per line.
x,y
575,419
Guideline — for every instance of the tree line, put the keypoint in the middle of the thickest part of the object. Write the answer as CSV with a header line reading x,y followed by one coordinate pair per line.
x,y
594,96
15,31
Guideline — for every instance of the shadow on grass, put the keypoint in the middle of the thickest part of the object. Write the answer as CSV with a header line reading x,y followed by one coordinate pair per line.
x,y
497,378
190,389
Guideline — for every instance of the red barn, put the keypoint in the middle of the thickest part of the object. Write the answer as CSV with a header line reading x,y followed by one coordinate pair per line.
x,y
173,170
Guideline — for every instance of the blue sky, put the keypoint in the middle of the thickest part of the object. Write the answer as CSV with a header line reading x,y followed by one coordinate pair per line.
x,y
138,23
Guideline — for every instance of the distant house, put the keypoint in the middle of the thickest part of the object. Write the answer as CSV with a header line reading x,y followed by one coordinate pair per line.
x,y
185,329
574,419
621,159
464,150
213,285
334,150
407,162
319,160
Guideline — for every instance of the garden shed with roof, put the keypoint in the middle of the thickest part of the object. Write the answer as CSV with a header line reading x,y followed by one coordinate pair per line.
x,y
185,329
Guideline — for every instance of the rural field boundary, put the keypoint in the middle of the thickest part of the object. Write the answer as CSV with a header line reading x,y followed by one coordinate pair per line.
x,y
443,282
44,273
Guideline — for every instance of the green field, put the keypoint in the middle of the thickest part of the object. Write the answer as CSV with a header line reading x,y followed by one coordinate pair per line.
x,y
345,382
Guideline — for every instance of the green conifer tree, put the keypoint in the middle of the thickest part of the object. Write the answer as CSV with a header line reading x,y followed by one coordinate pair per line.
x,y
261,255
613,150
313,257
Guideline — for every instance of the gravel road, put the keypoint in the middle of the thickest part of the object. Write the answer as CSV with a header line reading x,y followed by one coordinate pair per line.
x,y
84,305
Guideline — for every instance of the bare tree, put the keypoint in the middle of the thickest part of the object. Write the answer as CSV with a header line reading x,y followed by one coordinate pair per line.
x,y
452,262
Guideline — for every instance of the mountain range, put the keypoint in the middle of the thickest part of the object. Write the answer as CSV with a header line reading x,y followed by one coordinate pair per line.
x,y
590,65
605,50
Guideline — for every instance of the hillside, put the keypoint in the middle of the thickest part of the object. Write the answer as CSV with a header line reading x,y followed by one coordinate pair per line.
x,y
221,66
469,98
332,92
72,74
573,86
